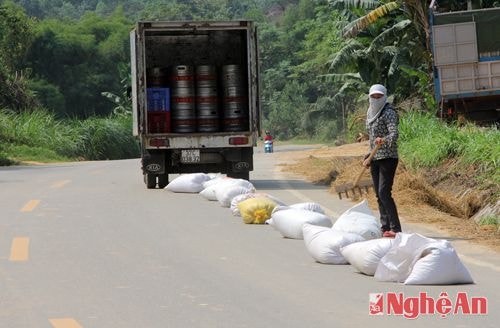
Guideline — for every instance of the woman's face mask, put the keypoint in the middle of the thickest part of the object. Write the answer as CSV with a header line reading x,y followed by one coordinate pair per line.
x,y
377,103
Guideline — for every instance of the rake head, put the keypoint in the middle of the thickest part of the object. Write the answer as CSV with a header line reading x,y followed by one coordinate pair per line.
x,y
350,189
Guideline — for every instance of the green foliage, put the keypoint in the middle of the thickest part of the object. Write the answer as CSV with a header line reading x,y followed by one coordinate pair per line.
x,y
49,95
481,148
79,61
123,103
296,51
490,220
353,28
426,141
25,153
91,139
100,138
286,107
15,37
393,47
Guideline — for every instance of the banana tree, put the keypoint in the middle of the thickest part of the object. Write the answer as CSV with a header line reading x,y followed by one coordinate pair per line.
x,y
415,10
387,42
336,107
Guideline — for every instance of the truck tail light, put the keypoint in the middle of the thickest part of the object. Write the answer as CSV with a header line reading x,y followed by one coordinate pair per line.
x,y
238,141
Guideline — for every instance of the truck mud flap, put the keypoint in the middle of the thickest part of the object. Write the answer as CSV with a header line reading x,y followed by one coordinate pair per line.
x,y
153,163
241,161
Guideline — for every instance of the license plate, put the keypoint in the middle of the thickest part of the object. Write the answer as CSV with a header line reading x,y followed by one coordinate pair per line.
x,y
190,156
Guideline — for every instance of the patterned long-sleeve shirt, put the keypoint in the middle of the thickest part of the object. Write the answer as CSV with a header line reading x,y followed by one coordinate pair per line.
x,y
385,126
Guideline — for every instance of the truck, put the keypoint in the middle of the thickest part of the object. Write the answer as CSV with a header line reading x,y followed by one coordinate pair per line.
x,y
195,97
466,63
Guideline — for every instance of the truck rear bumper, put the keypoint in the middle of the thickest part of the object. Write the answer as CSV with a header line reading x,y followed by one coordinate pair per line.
x,y
198,141
211,160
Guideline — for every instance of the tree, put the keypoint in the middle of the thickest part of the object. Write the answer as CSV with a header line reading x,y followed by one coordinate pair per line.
x,y
80,60
286,107
15,39
385,42
16,33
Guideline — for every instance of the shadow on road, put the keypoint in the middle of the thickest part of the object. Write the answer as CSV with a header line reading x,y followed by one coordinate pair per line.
x,y
284,184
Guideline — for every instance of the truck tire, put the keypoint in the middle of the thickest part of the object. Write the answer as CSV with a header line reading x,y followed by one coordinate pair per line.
x,y
239,175
162,180
150,180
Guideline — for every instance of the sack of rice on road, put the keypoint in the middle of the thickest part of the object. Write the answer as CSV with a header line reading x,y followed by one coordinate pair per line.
x,y
360,220
366,255
238,199
289,221
256,210
188,183
324,244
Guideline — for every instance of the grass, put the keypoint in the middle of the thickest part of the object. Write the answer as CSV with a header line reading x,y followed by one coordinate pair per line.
x,y
426,141
490,220
24,153
38,136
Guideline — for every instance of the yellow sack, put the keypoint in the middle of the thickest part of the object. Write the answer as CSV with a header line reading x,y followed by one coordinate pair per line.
x,y
256,210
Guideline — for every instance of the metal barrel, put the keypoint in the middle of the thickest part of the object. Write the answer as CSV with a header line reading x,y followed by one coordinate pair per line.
x,y
207,99
207,110
232,75
181,76
207,124
206,76
156,77
235,100
183,110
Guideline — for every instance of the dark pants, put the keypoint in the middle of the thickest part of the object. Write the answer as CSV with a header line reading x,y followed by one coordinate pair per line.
x,y
383,172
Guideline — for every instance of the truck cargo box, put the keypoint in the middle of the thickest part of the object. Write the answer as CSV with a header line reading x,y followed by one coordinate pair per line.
x,y
195,95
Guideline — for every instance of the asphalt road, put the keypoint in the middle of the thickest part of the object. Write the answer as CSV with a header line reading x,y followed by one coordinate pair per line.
x,y
87,245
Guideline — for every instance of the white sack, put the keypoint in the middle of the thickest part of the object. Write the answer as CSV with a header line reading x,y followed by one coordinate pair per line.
x,y
315,207
220,182
214,175
280,208
209,192
289,221
324,243
238,199
439,264
359,219
398,262
214,181
189,183
366,255
226,194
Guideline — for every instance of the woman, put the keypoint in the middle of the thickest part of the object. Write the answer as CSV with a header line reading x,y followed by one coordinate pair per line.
x,y
382,125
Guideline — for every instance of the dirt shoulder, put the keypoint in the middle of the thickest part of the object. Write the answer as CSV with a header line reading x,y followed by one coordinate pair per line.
x,y
434,197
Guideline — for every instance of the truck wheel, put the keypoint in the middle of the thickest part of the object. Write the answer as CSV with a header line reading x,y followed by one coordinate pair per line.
x,y
150,180
162,181
239,175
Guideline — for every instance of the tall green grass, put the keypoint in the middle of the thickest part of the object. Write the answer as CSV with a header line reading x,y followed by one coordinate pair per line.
x,y
38,136
98,138
426,141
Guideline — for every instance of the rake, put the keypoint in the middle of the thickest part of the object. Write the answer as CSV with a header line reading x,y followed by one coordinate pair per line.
x,y
358,184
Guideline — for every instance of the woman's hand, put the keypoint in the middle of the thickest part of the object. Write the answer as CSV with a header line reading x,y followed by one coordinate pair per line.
x,y
366,163
379,141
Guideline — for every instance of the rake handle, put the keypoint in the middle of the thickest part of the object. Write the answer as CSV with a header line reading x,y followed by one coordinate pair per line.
x,y
370,157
